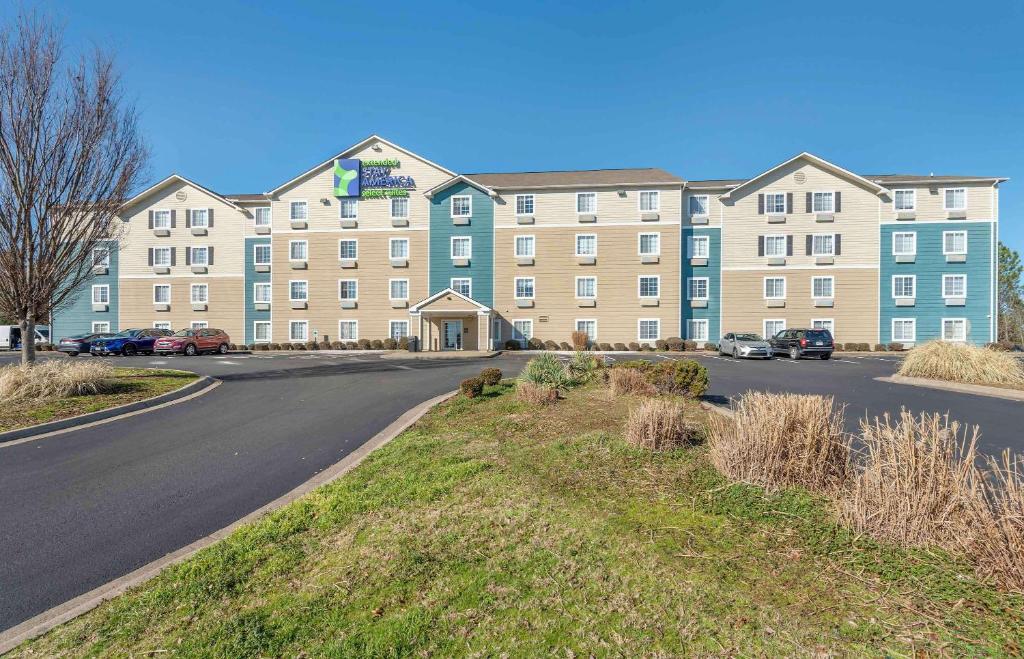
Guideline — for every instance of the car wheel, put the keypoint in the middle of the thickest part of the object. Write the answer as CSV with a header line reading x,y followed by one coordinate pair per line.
x,y
72,353
190,350
826,355
129,350
794,353
223,349
735,354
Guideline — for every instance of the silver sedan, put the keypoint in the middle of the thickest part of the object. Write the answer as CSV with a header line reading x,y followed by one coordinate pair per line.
x,y
744,345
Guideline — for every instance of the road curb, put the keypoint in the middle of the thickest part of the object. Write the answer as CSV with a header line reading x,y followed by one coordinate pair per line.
x,y
197,387
717,409
44,622
961,388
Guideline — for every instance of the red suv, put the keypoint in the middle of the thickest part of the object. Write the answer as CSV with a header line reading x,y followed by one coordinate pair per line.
x,y
190,342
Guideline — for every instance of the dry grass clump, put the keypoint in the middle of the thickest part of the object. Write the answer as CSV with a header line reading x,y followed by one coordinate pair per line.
x,y
658,424
53,379
782,440
997,541
958,362
918,483
630,381
535,394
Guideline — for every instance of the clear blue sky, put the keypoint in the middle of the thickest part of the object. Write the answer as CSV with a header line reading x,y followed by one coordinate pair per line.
x,y
241,96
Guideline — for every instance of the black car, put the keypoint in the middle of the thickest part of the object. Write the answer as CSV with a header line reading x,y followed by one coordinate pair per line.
x,y
804,342
75,345
129,342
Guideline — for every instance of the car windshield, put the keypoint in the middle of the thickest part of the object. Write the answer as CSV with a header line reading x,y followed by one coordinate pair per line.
x,y
817,335
748,337
183,333
127,334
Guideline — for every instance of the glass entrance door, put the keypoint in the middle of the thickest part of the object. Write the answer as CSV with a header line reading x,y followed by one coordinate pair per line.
x,y
453,335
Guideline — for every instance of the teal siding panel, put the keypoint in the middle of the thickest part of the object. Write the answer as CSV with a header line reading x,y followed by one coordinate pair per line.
x,y
713,271
481,229
77,316
253,277
929,266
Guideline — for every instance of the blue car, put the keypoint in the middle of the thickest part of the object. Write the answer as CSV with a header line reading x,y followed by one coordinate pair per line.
x,y
129,342
76,345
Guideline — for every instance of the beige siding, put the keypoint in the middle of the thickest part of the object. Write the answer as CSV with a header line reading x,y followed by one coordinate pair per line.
x,y
559,207
981,204
224,310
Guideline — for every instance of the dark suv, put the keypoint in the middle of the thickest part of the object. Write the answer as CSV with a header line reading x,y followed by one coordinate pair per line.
x,y
803,343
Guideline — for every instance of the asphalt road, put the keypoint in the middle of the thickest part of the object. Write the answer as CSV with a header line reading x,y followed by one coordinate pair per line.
x,y
85,507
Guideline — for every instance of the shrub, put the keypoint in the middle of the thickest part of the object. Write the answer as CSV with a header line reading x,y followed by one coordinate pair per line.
x,y
675,344
535,344
621,347
337,345
997,541
894,347
287,346
232,346
364,344
782,440
957,362
580,340
377,344
298,346
273,346
512,344
658,424
472,387
536,394
634,346
312,345
352,345
582,366
403,343
606,347
390,344
879,347
689,346
640,364
325,345
1005,346
546,370
682,378
661,344
550,345
53,379
630,381
491,376
647,346
564,346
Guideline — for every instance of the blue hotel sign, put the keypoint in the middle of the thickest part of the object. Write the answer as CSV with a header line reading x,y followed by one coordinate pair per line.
x,y
370,178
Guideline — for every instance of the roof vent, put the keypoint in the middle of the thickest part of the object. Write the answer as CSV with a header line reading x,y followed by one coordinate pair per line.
x,y
799,178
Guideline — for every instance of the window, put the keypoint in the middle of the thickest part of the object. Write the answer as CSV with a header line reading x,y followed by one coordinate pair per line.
x,y
298,291
522,330
462,286
348,289
399,248
348,330
399,208
954,329
650,286
904,329
700,247
162,325
650,201
650,244
161,219
904,286
298,210
348,209
398,289
524,288
775,203
261,254
697,288
298,250
823,202
200,217
905,200
774,288
199,324
904,243
261,331
200,293
162,294
954,199
586,244
699,205
101,294
525,246
162,256
398,329
954,285
348,249
586,287
823,244
824,323
773,326
101,257
589,326
524,204
775,246
697,329
822,287
954,242
261,293
462,247
261,216
298,330
649,329
199,255
100,326
586,203
462,206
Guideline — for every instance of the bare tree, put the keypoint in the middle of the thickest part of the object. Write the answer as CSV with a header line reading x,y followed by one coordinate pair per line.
x,y
70,154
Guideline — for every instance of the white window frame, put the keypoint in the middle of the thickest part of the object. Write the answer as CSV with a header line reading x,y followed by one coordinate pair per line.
x,y
105,261
391,291
950,277
298,299
198,324
691,251
764,326
913,279
657,201
576,325
106,293
823,195
354,241
257,286
576,287
773,211
352,281
951,233
533,287
161,286
946,206
348,201
162,214
391,329
391,248
913,237
255,334
96,329
764,288
640,242
391,208
532,242
639,287
292,324
589,195
962,322
291,245
913,198
162,324
192,293
297,203
576,242
913,325
690,281
785,245
639,329
526,339
349,321
832,285
707,205
162,250
256,252
831,325
256,217
533,204
832,244
469,241
205,212
455,287
469,205
202,249
697,322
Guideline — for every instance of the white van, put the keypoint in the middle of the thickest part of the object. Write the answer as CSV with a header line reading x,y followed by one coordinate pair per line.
x,y
10,337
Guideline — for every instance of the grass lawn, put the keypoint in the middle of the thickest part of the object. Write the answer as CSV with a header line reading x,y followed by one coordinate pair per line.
x,y
127,386
493,529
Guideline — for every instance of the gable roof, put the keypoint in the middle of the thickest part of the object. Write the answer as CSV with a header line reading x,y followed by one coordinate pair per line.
x,y
179,178
356,147
820,162
595,178
461,178
447,291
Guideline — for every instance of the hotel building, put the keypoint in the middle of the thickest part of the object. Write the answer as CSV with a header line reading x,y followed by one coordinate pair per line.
x,y
380,242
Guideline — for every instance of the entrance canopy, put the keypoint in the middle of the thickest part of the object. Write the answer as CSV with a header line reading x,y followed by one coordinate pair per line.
x,y
449,320
450,302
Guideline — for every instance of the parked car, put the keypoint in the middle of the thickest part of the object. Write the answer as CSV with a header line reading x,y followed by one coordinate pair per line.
x,y
804,342
191,342
128,343
10,336
742,344
75,345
